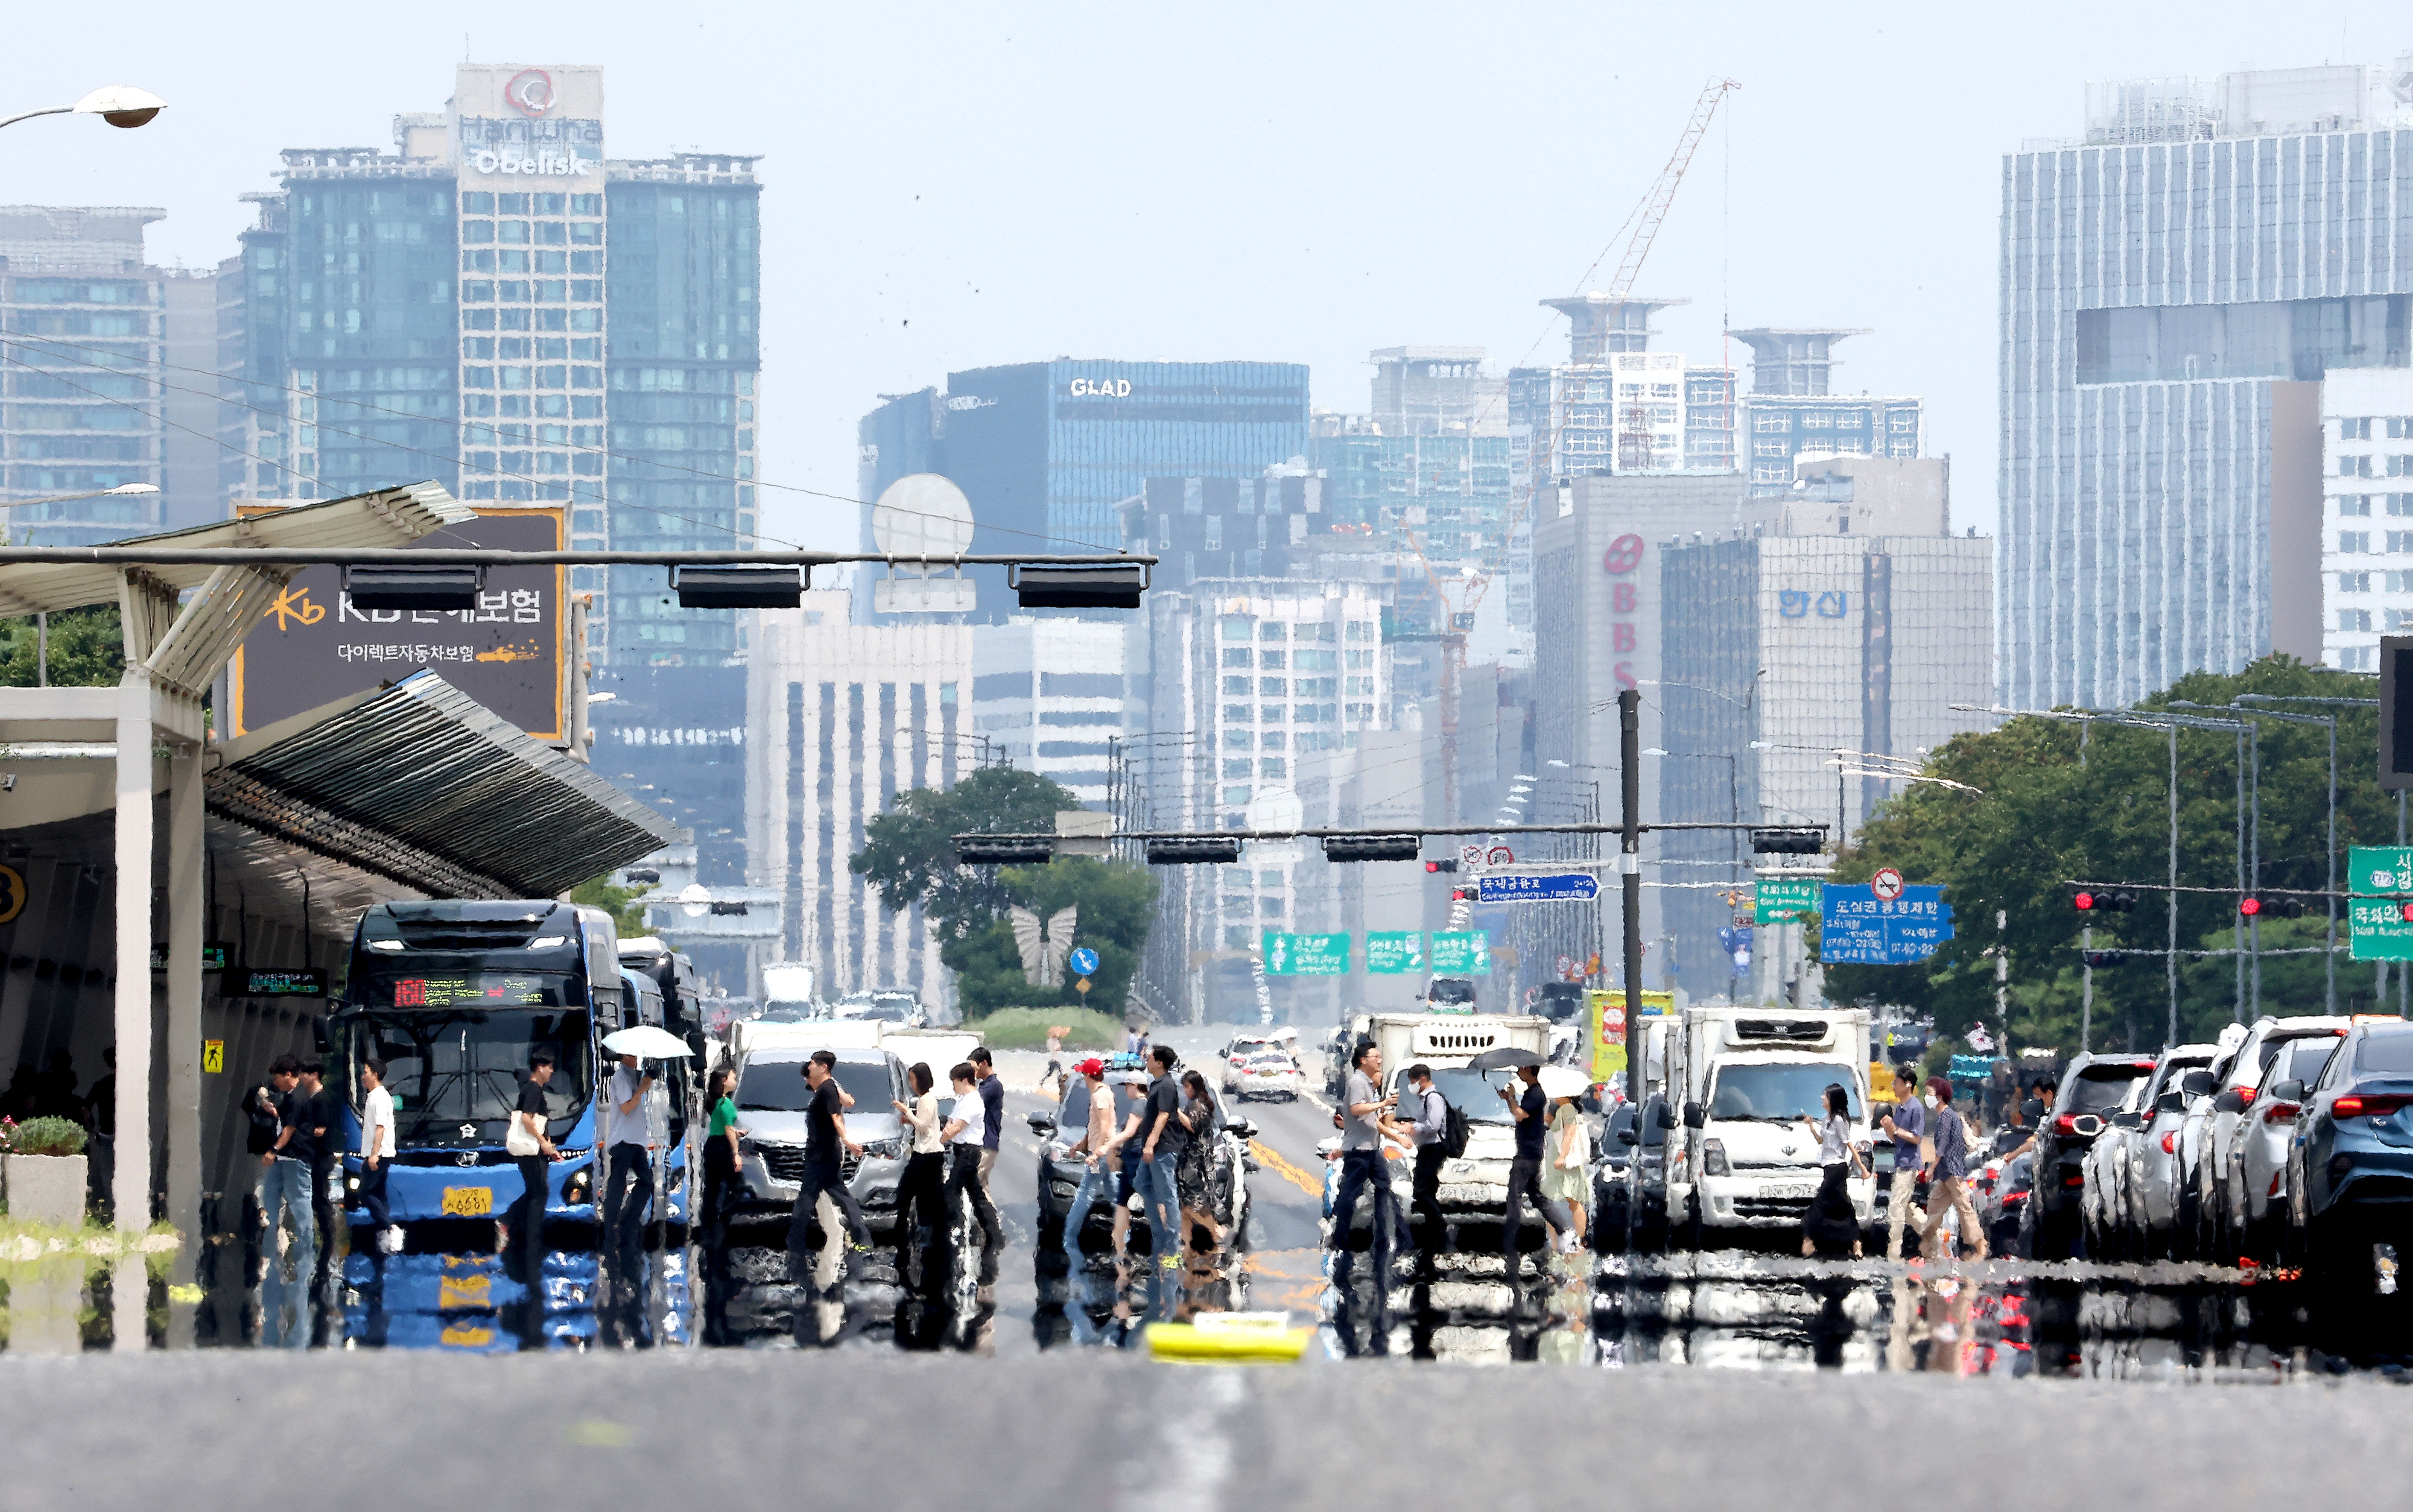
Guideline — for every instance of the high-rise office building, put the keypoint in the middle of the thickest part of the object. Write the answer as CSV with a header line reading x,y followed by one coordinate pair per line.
x,y
1047,453
846,716
1791,411
88,325
498,306
2367,459
2176,283
1048,695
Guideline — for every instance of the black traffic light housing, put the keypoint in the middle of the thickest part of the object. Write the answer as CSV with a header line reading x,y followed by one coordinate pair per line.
x,y
1787,842
440,587
1373,848
1447,865
2397,712
1078,587
739,587
2105,957
993,850
1194,850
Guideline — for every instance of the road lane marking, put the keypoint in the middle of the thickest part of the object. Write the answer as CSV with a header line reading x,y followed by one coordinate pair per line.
x,y
1273,1160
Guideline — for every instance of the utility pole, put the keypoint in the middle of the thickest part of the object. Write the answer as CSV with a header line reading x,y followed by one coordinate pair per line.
x,y
2086,990
1629,866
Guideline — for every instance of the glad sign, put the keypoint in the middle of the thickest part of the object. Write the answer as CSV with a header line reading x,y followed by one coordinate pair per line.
x,y
1623,559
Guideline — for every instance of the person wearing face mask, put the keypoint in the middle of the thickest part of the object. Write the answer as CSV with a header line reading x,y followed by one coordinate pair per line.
x,y
1905,1124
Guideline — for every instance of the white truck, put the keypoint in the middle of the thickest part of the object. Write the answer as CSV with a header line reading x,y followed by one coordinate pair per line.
x,y
1473,1185
1742,1079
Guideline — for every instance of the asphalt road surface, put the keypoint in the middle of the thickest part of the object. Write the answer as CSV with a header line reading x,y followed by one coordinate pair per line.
x,y
1088,1429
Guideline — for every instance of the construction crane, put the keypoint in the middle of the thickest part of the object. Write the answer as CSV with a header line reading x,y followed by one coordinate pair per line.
x,y
1459,614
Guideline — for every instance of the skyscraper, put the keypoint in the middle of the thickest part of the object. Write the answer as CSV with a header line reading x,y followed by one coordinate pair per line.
x,y
1048,453
87,326
496,306
2176,285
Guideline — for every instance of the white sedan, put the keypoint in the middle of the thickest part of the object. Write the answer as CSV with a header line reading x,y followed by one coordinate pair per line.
x,y
1265,1073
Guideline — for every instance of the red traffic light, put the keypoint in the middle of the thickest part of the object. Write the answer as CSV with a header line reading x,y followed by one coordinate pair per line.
x,y
1450,865
2085,901
2249,906
2408,913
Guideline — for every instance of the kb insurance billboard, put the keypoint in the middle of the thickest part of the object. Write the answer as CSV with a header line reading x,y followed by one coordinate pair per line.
x,y
510,654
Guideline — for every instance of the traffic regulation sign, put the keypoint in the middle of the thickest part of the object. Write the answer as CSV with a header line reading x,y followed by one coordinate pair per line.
x,y
1526,888
1860,930
1887,884
1085,961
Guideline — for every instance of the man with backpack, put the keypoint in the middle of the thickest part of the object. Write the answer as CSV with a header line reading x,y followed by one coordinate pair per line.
x,y
1437,1127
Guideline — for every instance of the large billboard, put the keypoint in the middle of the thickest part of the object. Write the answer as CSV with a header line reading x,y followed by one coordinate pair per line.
x,y
511,653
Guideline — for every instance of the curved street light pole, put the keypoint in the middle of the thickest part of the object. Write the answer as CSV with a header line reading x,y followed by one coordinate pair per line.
x,y
120,104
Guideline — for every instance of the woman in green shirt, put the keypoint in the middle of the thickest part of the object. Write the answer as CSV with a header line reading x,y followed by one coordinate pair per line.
x,y
722,1179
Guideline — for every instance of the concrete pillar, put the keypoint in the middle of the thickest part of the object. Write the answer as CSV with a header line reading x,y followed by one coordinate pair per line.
x,y
186,919
130,1189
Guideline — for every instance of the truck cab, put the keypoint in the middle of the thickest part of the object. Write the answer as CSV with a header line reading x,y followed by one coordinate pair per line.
x,y
1744,1079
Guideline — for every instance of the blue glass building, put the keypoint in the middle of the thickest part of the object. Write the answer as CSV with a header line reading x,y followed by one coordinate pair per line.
x,y
1047,452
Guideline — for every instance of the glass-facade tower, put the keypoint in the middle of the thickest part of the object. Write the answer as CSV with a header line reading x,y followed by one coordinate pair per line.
x,y
497,306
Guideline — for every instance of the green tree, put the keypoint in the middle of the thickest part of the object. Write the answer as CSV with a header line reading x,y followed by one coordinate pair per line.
x,y
620,902
909,855
1118,904
2061,803
87,650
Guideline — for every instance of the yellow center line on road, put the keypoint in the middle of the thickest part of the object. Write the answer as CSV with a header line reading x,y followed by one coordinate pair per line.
x,y
1270,1158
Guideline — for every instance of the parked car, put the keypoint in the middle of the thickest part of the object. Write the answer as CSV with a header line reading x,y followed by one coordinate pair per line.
x,y
2137,1157
2098,1199
2093,1086
2220,1176
771,1101
2270,1128
2349,1179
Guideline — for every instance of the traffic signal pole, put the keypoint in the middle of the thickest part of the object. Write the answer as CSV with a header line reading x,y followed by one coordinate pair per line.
x,y
1629,866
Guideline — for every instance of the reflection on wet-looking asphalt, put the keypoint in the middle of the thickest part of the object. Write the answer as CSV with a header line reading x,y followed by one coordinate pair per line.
x,y
1717,1309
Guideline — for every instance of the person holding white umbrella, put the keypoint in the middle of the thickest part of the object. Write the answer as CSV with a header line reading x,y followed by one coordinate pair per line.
x,y
633,1141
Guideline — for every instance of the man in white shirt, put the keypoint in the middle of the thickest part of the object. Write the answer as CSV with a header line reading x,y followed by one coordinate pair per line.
x,y
624,1212
375,1152
964,1134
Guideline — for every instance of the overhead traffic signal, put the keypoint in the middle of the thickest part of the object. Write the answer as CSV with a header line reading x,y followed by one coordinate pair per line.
x,y
1448,865
2278,905
1194,850
1373,848
1003,850
2103,901
1786,842
2105,957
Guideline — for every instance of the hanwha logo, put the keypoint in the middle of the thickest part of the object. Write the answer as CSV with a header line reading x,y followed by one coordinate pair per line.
x,y
530,92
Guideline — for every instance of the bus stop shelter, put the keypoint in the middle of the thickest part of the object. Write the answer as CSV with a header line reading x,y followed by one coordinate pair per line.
x,y
135,838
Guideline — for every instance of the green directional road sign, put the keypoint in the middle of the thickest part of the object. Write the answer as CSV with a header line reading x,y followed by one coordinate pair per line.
x,y
1389,952
1306,955
2377,925
1461,953
1781,899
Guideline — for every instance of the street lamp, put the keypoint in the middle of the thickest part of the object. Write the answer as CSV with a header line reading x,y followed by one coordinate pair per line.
x,y
120,104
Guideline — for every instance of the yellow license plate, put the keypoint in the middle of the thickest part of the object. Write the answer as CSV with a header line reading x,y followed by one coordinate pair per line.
x,y
462,1336
455,1293
469,1201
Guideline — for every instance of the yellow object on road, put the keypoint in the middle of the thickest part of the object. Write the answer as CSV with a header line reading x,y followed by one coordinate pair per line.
x,y
1229,1339
1274,1161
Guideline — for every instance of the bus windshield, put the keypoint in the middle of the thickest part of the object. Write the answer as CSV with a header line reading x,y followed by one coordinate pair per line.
x,y
454,1072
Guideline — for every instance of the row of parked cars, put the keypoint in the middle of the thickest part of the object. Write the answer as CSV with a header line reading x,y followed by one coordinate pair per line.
x,y
2288,1142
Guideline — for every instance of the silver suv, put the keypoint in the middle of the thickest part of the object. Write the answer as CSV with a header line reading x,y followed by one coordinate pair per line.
x,y
771,1099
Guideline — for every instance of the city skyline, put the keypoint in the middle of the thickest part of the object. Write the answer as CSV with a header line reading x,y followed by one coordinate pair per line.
x,y
890,304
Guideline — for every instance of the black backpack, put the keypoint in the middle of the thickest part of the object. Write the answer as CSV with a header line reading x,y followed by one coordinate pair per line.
x,y
1453,1130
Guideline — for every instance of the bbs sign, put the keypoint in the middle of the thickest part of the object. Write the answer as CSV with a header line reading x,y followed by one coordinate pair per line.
x,y
1622,562
313,647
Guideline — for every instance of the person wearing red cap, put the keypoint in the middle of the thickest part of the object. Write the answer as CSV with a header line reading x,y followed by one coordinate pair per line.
x,y
1099,1141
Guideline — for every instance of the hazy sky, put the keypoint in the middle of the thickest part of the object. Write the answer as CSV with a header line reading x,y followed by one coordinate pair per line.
x,y
954,185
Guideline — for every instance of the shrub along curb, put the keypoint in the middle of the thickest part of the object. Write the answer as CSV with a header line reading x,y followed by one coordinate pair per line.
x,y
1026,1029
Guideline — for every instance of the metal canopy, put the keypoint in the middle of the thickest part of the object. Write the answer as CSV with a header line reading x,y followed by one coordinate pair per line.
x,y
420,782
387,517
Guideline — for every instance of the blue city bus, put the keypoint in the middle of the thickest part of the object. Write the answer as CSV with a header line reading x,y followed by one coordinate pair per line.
x,y
455,996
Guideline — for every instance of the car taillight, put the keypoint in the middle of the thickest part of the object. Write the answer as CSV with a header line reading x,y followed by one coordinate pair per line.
x,y
2065,1123
2355,1105
2281,1112
2074,1178
2170,1143
2245,1097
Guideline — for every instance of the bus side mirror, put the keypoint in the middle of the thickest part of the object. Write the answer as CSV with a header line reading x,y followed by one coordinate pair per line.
x,y
1666,1116
1695,1115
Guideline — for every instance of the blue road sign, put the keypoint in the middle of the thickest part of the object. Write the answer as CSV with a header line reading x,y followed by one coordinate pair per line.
x,y
1524,888
1085,961
1857,928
